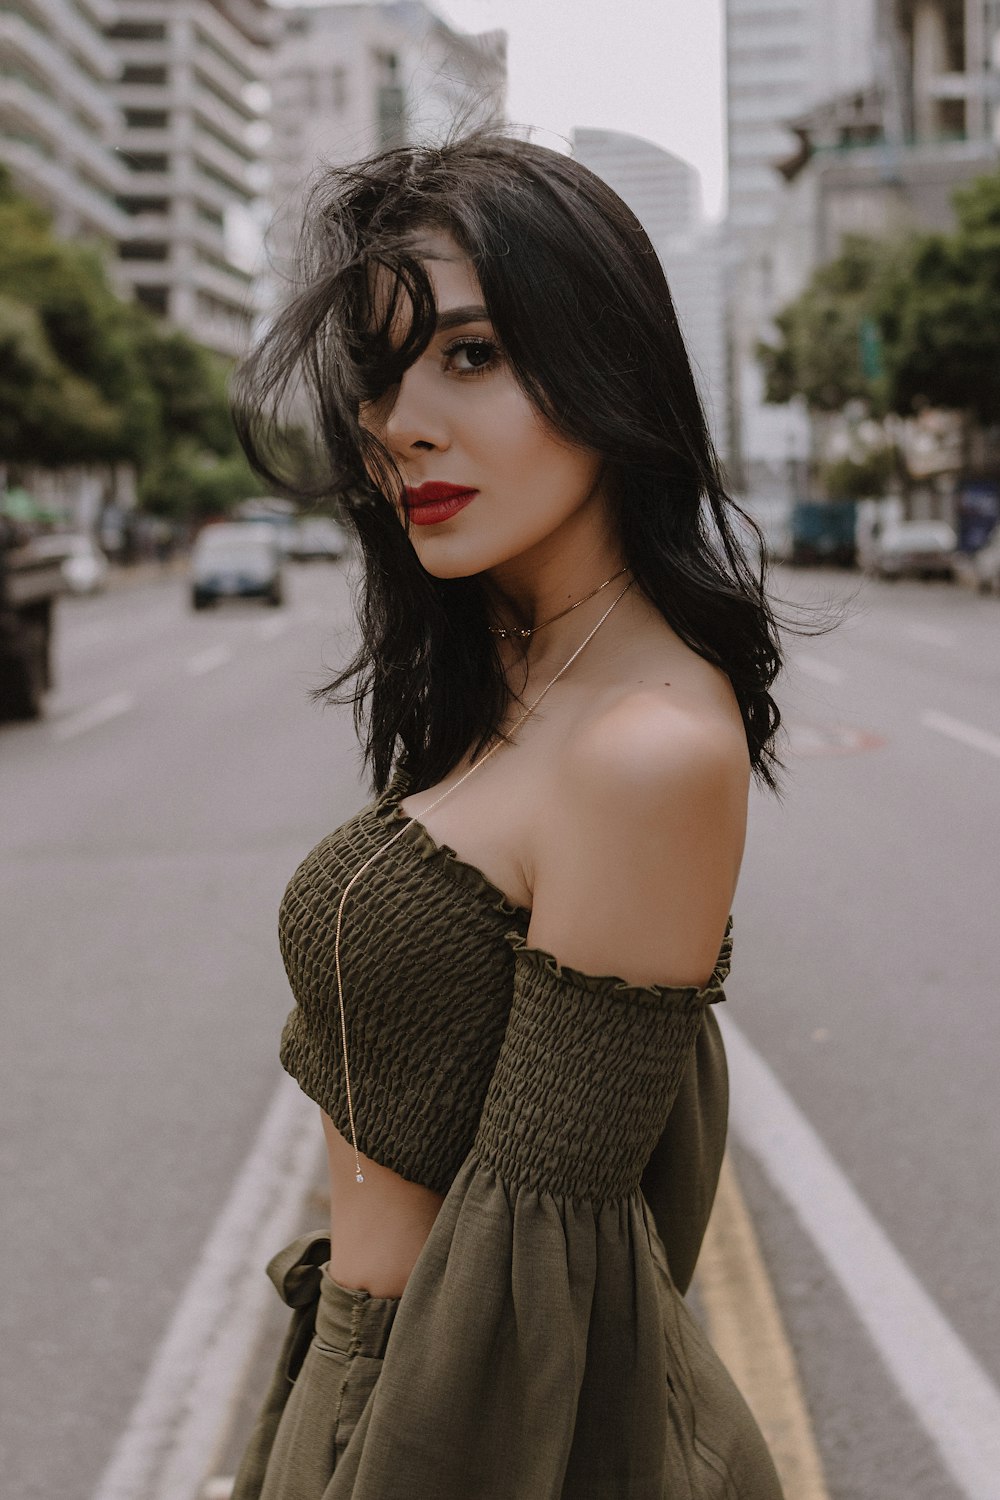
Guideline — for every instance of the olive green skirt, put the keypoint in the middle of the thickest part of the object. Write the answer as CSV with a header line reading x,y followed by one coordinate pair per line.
x,y
324,1379
309,1439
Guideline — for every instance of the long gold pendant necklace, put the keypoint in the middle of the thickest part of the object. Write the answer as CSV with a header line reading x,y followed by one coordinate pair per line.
x,y
359,1176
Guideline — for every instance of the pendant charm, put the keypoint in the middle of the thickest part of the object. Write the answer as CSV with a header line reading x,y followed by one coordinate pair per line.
x,y
359,1177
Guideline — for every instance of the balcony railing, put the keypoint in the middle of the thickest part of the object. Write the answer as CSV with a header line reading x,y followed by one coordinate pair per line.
x,y
40,52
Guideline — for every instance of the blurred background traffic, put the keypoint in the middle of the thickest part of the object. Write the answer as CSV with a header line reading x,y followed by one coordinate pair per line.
x,y
841,300
821,179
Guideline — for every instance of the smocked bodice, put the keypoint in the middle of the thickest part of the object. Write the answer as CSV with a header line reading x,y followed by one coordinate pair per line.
x,y
436,973
427,980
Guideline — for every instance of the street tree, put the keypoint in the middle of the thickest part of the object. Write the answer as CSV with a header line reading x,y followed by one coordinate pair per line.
x,y
87,378
828,349
939,313
78,337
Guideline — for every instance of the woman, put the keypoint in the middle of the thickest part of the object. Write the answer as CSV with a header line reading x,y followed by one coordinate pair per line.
x,y
503,965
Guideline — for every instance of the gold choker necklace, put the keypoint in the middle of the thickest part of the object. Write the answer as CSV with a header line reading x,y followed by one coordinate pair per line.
x,y
524,633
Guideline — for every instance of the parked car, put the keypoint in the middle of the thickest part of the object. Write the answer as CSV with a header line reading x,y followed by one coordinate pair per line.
x,y
915,549
236,560
84,566
985,565
317,537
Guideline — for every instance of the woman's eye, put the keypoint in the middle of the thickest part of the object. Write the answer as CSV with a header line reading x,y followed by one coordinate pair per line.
x,y
471,356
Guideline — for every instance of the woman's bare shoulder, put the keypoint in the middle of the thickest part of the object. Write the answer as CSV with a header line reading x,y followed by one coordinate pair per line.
x,y
641,851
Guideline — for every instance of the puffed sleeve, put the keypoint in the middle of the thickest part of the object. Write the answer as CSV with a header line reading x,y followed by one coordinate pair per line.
x,y
541,1350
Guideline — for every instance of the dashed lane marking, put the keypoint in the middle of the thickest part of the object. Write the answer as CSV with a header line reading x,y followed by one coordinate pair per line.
x,y
747,1332
89,718
185,1406
208,660
949,1391
966,734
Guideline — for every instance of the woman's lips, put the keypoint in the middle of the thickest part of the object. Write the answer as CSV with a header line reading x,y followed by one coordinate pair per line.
x,y
434,502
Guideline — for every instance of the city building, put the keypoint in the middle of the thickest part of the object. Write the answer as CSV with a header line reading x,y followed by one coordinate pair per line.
x,y
193,105
58,118
947,69
351,79
881,137
664,193
783,57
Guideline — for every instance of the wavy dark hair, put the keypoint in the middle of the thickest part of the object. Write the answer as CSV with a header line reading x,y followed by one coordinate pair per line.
x,y
581,308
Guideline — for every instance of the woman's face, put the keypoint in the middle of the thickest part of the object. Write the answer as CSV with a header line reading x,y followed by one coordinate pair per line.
x,y
488,480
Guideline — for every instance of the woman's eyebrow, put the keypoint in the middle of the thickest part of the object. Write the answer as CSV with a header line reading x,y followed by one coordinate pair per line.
x,y
453,317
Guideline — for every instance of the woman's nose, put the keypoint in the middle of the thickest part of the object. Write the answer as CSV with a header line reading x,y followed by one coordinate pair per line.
x,y
415,421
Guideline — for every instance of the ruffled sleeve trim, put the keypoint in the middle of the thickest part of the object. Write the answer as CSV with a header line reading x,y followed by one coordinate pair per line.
x,y
603,984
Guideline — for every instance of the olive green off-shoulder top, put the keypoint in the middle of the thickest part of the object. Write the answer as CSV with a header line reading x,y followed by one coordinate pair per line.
x,y
575,1124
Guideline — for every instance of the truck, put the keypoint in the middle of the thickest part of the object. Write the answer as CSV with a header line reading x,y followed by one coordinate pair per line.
x,y
31,579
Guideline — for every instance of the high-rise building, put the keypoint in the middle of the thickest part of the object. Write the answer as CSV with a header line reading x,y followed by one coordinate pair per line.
x,y
664,193
192,98
783,57
900,104
58,119
351,79
947,64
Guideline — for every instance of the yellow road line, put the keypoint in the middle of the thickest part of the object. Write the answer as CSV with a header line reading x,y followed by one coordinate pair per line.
x,y
748,1334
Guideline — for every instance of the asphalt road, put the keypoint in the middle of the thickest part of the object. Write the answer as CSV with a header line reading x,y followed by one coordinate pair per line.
x,y
865,974
150,823
149,826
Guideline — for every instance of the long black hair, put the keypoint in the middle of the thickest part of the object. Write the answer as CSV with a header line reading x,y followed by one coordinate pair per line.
x,y
581,308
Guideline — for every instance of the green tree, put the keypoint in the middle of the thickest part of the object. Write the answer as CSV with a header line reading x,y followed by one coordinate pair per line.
x,y
88,378
189,482
190,387
828,349
89,399
900,326
940,313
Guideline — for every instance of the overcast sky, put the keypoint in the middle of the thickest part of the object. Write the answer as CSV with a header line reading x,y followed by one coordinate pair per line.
x,y
649,67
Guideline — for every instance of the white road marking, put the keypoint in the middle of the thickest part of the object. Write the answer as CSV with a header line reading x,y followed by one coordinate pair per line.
x,y
814,666
950,1392
208,660
183,1412
930,635
966,734
90,718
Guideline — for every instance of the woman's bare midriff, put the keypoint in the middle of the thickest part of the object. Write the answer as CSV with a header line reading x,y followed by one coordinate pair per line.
x,y
377,1227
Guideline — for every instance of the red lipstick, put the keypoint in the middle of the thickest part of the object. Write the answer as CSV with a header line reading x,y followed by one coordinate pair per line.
x,y
434,501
